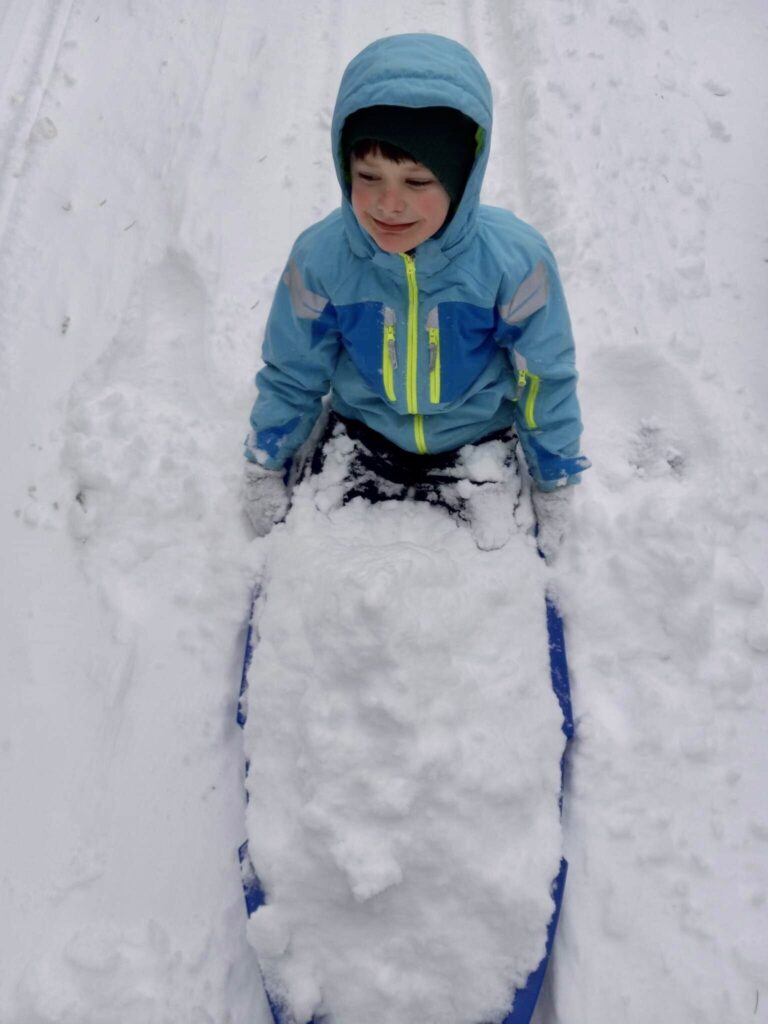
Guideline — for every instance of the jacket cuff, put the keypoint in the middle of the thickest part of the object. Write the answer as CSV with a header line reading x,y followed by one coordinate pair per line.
x,y
550,471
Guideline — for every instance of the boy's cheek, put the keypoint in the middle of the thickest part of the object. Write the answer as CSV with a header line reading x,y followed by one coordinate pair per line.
x,y
438,210
359,204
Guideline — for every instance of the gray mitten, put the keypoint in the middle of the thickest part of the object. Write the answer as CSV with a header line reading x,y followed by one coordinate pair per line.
x,y
553,515
265,496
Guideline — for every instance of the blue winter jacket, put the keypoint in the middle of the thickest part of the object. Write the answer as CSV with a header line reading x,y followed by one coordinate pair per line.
x,y
466,335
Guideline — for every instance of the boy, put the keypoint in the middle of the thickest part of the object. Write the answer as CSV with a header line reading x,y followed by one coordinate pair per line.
x,y
434,323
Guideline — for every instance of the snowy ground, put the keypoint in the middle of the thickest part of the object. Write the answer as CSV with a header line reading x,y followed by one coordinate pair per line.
x,y
156,162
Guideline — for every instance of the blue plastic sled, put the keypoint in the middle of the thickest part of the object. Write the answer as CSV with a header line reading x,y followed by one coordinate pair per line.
x,y
525,999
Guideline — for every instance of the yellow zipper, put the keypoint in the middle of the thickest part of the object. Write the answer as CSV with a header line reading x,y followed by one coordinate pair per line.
x,y
389,361
418,429
433,333
413,335
533,381
412,363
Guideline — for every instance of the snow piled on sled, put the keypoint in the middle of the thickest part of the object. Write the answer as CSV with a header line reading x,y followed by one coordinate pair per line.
x,y
404,745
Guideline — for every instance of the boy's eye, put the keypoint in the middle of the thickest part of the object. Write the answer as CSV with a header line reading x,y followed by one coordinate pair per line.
x,y
371,178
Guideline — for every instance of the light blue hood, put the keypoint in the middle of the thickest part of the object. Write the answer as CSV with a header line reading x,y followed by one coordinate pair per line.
x,y
417,70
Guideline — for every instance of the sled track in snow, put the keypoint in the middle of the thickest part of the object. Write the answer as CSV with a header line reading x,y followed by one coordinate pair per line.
x,y
30,39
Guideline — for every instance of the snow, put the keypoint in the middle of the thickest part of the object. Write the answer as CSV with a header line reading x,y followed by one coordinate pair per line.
x,y
156,162
404,745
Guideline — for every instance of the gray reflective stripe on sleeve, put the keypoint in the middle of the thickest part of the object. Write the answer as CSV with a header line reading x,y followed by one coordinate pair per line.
x,y
529,297
306,304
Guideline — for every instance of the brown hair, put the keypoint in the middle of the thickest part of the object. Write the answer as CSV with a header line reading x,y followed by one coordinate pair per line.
x,y
365,147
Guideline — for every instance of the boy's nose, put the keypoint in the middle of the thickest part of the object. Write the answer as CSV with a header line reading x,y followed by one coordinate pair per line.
x,y
391,200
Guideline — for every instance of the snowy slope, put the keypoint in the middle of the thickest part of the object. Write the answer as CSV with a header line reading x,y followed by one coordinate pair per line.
x,y
156,162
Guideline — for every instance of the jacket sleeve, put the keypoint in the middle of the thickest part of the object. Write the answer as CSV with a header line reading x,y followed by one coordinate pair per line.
x,y
535,328
300,351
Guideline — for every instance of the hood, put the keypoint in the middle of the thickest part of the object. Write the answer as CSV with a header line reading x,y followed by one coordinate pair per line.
x,y
416,70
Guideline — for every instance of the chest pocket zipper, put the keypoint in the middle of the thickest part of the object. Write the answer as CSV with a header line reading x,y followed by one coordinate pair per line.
x,y
433,336
525,377
389,354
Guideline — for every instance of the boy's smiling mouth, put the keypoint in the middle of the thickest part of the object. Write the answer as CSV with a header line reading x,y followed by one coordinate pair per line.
x,y
385,225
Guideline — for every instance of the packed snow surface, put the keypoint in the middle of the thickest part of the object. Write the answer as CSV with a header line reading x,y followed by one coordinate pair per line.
x,y
404,747
156,163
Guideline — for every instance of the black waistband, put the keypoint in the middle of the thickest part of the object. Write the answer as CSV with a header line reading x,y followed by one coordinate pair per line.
x,y
393,462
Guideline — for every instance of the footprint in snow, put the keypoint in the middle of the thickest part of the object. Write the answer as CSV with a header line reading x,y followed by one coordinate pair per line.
x,y
717,88
654,453
718,130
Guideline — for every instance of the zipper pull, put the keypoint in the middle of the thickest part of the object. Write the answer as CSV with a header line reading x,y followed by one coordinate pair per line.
x,y
433,348
522,377
389,337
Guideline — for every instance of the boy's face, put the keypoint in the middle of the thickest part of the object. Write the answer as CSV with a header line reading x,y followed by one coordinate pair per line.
x,y
399,205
